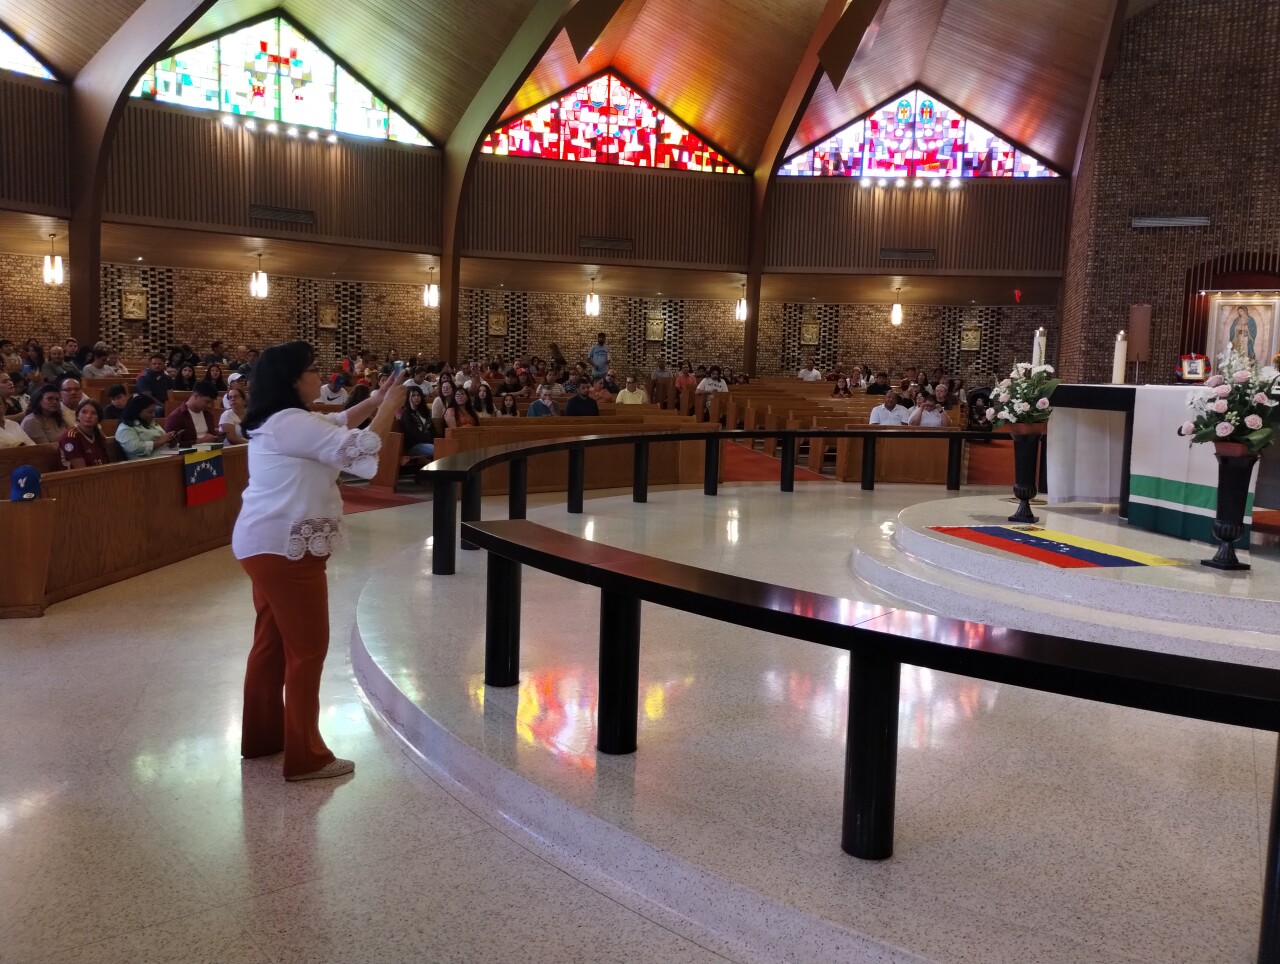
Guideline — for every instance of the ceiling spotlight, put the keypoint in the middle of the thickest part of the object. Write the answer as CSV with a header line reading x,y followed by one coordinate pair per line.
x,y
228,120
902,182
139,258
250,125
936,182
918,183
272,128
332,138
292,132
884,182
955,183
1202,293
866,182
312,135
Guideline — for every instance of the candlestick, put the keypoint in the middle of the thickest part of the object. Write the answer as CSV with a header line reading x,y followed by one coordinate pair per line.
x,y
1119,360
1040,347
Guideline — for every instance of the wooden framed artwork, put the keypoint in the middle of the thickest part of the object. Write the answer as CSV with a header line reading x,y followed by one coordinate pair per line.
x,y
133,304
809,332
971,338
498,324
1244,322
327,316
655,326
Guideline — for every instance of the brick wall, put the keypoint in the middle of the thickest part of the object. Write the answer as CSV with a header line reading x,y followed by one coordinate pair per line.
x,y
1184,125
28,307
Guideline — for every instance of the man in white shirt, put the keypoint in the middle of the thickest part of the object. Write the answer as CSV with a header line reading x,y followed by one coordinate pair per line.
x,y
710,385
929,414
810,373
630,394
888,412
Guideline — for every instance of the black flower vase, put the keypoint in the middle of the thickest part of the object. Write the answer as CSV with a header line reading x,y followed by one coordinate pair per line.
x,y
1026,465
1235,469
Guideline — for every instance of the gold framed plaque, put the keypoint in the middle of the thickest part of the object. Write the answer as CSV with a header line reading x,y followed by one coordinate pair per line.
x,y
327,316
809,332
970,338
655,326
133,304
498,324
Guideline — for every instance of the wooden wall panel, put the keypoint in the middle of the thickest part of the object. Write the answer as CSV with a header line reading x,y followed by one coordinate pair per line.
x,y
997,226
33,148
185,168
525,207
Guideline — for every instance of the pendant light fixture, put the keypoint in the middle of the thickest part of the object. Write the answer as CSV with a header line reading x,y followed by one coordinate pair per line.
x,y
592,306
258,281
895,313
431,292
52,265
740,312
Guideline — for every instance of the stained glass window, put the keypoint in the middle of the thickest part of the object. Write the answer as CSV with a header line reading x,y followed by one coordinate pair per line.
x,y
15,57
272,71
607,122
915,135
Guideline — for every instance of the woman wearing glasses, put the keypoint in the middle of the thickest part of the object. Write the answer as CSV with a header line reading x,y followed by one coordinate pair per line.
x,y
289,523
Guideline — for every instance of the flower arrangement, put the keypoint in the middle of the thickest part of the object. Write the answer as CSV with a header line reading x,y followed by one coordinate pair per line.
x,y
1233,405
1023,397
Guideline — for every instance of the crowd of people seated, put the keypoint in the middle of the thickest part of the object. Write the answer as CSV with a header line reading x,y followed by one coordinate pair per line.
x,y
43,399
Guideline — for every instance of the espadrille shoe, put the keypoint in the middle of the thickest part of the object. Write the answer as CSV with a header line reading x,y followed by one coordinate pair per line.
x,y
334,768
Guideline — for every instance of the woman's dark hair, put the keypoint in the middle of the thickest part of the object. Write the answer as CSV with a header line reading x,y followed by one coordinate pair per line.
x,y
461,400
135,406
358,395
274,382
97,429
504,402
37,400
484,398
414,390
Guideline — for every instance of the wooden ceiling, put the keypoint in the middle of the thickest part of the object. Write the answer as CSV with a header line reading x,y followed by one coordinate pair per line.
x,y
1023,67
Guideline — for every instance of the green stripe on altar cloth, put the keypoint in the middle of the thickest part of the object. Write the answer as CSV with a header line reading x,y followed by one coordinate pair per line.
x,y
1177,508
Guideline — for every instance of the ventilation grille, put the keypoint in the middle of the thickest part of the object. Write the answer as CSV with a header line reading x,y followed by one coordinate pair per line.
x,y
267,212
603,243
908,254
1172,221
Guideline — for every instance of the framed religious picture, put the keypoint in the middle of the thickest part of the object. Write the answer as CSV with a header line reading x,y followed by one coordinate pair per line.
x,y
809,332
655,326
133,304
971,338
498,324
1193,368
327,316
1246,323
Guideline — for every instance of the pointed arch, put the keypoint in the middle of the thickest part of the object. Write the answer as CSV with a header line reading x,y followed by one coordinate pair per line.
x,y
269,69
607,121
14,56
915,134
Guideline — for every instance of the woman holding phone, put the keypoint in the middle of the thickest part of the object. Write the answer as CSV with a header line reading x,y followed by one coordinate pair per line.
x,y
290,521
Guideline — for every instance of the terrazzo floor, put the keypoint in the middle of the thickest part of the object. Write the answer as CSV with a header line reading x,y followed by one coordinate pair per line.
x,y
1030,827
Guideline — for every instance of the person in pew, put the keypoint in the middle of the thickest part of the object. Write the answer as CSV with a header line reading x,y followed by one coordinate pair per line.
x,y
84,445
98,366
360,394
114,364
888,412
185,380
236,380
600,391
43,422
290,522
190,421
334,391
542,406
685,379
441,402
71,395
80,356
841,389
662,371
460,413
482,397
511,384
9,357
710,385
929,414
12,435
234,404
10,403
415,426
154,382
507,407
216,355
631,394
22,389
213,375
138,435
58,367
528,387
117,397
810,372
611,382
581,403
879,385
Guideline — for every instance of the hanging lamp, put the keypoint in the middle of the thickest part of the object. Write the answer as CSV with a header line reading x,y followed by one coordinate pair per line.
x,y
52,265
258,281
431,292
592,305
895,313
740,312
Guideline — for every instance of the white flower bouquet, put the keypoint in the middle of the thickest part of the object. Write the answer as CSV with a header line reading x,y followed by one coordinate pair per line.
x,y
1234,405
1023,397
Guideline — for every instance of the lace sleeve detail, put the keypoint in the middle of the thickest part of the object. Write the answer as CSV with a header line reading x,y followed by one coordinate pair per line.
x,y
358,453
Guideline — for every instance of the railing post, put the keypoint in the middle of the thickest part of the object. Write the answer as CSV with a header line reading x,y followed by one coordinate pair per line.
x,y
640,473
577,472
472,496
788,463
955,455
444,527
871,757
517,488
502,623
619,684
711,466
1269,936
868,462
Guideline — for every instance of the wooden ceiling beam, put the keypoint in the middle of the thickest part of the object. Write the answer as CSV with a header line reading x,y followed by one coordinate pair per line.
x,y
98,95
484,111
854,25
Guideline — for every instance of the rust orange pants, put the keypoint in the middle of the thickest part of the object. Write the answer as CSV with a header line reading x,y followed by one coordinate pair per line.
x,y
282,680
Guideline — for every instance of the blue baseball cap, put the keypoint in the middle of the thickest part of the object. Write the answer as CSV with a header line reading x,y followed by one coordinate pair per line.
x,y
24,484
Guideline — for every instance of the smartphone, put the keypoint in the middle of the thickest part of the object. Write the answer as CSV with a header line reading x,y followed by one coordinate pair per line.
x,y
396,369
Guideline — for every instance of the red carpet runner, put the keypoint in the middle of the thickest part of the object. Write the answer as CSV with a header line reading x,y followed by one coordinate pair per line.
x,y
741,464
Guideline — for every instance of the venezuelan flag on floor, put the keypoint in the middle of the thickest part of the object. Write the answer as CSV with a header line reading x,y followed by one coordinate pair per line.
x,y
1061,549
202,474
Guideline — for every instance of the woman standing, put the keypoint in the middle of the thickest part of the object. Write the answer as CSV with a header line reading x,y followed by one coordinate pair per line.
x,y
138,435
289,523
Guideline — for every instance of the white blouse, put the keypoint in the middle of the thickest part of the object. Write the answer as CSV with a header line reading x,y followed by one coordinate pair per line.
x,y
292,505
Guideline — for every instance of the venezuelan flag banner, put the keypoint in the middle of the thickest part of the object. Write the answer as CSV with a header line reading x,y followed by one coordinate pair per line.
x,y
202,474
1061,549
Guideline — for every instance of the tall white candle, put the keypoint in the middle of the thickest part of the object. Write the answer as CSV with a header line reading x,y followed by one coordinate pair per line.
x,y
1120,359
1039,347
